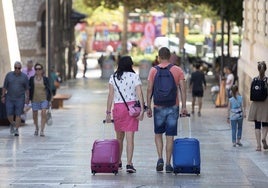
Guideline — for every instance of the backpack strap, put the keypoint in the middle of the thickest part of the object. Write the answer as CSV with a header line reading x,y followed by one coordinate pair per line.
x,y
168,67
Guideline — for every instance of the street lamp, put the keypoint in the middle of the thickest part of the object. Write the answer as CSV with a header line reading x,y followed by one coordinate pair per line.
x,y
48,37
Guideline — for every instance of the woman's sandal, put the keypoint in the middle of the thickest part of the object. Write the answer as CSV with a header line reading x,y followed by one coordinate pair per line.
x,y
120,166
258,149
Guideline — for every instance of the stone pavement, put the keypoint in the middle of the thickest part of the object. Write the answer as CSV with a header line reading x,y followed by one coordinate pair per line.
x,y
62,157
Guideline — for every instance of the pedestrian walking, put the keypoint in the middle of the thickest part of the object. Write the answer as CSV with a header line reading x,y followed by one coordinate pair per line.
x,y
40,97
197,86
155,62
126,81
229,81
258,111
164,89
84,60
15,94
29,69
76,59
236,113
54,81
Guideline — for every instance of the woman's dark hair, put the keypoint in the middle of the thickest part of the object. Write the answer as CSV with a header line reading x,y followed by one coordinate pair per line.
x,y
38,64
261,65
234,90
124,65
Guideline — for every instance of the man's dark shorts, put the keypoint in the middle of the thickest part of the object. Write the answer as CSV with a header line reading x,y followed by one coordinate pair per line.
x,y
166,120
15,107
199,93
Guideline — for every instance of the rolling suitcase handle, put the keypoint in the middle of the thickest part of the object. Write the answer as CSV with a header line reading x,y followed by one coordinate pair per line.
x,y
104,129
189,123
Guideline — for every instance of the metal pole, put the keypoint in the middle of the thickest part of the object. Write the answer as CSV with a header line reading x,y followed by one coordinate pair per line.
x,y
222,36
48,37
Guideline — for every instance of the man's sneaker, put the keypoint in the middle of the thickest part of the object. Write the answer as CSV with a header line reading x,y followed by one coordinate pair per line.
x,y
160,165
169,168
130,169
12,130
16,132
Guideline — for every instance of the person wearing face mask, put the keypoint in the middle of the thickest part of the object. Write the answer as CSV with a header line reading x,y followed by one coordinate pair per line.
x,y
258,111
15,94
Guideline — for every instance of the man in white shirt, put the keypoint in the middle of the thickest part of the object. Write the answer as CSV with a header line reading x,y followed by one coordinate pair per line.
x,y
229,82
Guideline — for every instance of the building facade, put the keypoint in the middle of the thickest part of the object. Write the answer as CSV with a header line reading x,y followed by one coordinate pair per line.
x,y
254,43
30,26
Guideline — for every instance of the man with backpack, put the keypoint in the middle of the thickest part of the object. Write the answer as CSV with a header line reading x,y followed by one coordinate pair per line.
x,y
164,80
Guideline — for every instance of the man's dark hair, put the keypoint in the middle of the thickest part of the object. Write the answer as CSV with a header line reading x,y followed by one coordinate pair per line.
x,y
197,66
164,53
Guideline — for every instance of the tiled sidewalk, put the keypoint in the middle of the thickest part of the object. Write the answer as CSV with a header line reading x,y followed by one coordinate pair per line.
x,y
62,157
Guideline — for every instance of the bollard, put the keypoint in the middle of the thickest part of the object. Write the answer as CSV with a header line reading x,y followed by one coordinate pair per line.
x,y
144,68
107,68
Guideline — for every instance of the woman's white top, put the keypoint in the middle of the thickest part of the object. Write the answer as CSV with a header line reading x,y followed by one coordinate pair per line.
x,y
127,85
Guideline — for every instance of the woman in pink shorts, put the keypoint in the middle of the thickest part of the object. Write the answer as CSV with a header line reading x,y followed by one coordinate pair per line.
x,y
129,85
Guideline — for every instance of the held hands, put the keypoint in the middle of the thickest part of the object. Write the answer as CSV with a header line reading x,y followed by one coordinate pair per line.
x,y
27,100
149,112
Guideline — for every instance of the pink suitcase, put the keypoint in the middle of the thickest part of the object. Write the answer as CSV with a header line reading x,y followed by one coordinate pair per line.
x,y
105,156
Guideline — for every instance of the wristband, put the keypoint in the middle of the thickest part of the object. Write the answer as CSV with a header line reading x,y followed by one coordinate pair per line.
x,y
108,112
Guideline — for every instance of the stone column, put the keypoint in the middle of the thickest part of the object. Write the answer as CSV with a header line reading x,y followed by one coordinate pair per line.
x,y
9,49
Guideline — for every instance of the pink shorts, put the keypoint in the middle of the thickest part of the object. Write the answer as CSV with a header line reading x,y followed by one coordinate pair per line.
x,y
122,120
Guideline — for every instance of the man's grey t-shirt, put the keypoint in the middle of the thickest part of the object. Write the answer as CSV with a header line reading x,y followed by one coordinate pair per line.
x,y
16,85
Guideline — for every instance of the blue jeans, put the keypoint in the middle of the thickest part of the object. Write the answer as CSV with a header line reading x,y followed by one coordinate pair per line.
x,y
166,120
236,129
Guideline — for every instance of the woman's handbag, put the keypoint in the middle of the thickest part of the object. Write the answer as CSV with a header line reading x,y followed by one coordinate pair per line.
x,y
49,116
133,109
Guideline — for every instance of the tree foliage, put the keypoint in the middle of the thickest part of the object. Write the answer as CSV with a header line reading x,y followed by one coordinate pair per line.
x,y
130,4
231,10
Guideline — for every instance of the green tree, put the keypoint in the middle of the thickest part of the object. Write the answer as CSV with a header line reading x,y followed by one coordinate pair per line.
x,y
229,11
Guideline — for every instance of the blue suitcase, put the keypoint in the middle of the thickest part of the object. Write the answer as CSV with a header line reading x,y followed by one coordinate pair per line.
x,y
186,155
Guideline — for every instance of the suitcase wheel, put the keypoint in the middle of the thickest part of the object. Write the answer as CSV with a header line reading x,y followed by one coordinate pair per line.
x,y
196,170
93,172
177,170
115,172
